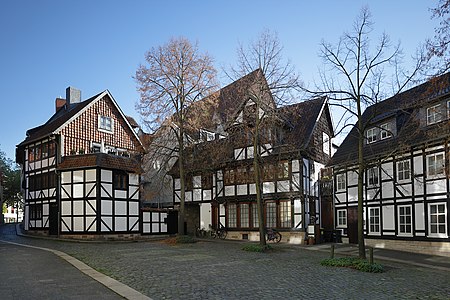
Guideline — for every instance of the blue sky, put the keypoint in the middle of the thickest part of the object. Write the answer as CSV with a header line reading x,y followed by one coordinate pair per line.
x,y
46,46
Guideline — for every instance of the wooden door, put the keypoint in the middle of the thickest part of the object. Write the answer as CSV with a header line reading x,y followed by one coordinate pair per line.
x,y
352,225
327,214
53,219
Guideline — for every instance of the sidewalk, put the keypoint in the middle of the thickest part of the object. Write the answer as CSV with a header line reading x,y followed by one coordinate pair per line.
x,y
416,259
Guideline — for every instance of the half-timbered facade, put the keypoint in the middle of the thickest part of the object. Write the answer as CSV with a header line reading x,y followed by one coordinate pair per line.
x,y
80,170
406,179
295,143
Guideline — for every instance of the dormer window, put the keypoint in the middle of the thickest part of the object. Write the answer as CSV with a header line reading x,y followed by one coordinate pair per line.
x,y
385,131
434,114
206,136
371,135
105,124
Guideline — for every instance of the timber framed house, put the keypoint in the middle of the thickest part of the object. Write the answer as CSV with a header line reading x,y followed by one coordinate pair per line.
x,y
406,179
294,144
80,170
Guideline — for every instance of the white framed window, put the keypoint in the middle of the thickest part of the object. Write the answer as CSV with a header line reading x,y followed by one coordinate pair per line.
x,y
403,170
285,214
434,114
105,123
341,218
271,214
373,176
405,220
255,220
326,143
371,135
374,220
340,182
232,215
435,165
386,131
244,215
437,220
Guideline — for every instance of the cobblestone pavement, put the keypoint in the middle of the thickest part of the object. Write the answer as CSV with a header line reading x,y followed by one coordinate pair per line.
x,y
221,270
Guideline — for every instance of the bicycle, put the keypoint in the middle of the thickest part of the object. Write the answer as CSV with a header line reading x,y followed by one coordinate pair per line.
x,y
220,233
273,235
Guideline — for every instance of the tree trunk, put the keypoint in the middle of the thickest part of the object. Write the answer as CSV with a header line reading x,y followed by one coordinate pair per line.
x,y
181,211
361,244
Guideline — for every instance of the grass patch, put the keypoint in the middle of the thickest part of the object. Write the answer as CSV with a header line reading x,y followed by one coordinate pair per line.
x,y
354,263
256,248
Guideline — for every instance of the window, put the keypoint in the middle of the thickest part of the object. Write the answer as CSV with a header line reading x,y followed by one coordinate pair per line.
x,y
374,220
433,114
51,149
120,180
403,170
372,175
231,215
326,143
371,135
268,172
271,214
448,109
283,170
255,219
386,131
36,212
404,220
341,218
285,214
31,154
44,150
96,148
229,176
435,164
206,136
105,123
340,182
437,222
207,181
244,215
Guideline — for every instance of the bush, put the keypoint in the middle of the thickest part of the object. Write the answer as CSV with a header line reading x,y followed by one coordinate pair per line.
x,y
354,263
256,248
185,239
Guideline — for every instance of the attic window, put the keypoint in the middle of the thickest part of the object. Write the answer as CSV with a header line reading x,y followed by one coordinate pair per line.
x,y
206,136
371,135
433,114
105,124
385,131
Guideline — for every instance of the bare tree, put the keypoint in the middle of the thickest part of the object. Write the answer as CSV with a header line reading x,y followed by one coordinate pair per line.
x,y
277,81
175,76
266,53
355,78
439,47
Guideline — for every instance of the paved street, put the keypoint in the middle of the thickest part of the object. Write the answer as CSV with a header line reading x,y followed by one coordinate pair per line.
x,y
220,270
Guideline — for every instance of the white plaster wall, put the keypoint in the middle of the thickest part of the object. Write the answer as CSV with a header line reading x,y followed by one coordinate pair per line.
x,y
120,194
78,176
78,207
134,179
90,209
229,190
420,216
295,165
89,190
106,207
120,207
197,193
206,194
436,186
268,187
388,217
205,215
89,221
387,189
120,224
418,165
106,190
283,186
66,177
241,189
107,221
106,175
91,175
78,190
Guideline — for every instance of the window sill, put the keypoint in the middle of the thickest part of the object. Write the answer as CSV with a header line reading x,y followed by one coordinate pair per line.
x,y
106,131
439,236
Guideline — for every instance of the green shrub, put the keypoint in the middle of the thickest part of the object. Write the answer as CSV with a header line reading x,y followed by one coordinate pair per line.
x,y
354,263
185,239
256,248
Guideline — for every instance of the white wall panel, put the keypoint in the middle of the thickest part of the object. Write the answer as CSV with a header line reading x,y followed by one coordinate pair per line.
x,y
207,195
388,217
78,176
197,193
352,194
120,194
387,189
146,216
295,165
66,227
420,216
146,228
418,186
252,189
134,179
418,165
106,175
91,221
406,190
106,188
132,192
120,224
387,171
91,207
107,221
78,224
66,177
283,186
268,187
91,175
436,186
78,208
89,190
106,207
155,217
133,224
229,190
120,207
133,208
78,190
45,209
241,189
66,208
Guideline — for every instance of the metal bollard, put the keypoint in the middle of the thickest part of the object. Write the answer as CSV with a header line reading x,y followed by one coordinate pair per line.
x,y
332,251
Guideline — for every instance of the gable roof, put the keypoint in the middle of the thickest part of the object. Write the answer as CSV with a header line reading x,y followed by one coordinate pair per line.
x,y
64,116
404,109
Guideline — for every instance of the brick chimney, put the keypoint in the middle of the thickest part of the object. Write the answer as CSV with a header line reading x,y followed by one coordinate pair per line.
x,y
73,95
59,103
